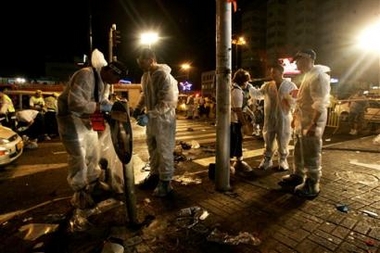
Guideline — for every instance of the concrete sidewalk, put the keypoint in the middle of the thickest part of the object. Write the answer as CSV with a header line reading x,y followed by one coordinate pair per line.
x,y
345,217
255,216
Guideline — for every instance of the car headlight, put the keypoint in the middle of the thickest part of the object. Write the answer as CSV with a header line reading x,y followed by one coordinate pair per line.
x,y
3,141
3,151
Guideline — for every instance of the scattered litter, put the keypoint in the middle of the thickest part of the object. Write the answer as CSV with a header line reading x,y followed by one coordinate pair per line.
x,y
204,215
371,214
146,167
112,247
189,211
185,145
189,218
243,237
194,144
79,222
186,180
370,242
342,208
376,140
33,231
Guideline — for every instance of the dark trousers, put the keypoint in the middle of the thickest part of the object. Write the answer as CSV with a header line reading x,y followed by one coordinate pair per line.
x,y
51,123
236,140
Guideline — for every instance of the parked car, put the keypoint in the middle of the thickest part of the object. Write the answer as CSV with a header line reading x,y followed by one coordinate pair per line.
x,y
11,146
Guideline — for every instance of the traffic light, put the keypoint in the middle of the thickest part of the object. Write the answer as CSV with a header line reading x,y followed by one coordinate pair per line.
x,y
116,37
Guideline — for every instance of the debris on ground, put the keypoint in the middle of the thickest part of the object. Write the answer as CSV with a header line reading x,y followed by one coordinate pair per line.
x,y
224,238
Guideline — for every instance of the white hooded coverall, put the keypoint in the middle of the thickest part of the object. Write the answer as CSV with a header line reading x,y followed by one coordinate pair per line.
x,y
160,96
314,94
277,115
75,105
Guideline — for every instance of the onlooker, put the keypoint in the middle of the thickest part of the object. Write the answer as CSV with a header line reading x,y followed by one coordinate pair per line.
x,y
309,121
278,102
240,81
7,111
50,115
159,97
84,94
358,104
190,106
37,102
32,124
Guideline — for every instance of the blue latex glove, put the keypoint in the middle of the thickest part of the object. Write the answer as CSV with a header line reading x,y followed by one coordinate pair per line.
x,y
142,120
105,107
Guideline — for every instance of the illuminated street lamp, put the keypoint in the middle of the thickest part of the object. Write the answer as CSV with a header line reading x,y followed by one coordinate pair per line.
x,y
369,39
148,38
238,42
186,67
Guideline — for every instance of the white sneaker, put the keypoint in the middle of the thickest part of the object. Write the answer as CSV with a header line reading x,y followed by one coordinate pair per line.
x,y
354,132
283,165
265,164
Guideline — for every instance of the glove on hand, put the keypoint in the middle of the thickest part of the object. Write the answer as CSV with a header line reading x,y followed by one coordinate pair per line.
x,y
136,112
142,120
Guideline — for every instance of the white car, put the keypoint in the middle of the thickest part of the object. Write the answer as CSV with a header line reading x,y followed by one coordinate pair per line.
x,y
11,146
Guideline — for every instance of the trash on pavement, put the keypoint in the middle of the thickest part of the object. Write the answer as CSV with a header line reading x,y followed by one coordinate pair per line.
x,y
224,238
146,167
79,222
32,231
370,214
189,211
189,217
187,179
376,140
185,145
113,246
342,208
195,144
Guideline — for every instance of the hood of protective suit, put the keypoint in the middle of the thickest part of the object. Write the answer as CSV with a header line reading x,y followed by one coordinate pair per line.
x,y
322,68
160,89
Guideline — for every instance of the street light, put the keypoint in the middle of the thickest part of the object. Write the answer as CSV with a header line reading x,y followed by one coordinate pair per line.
x,y
148,38
370,40
238,42
186,67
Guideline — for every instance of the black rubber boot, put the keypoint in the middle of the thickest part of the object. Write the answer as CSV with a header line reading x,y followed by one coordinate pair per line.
x,y
291,181
163,189
149,183
309,189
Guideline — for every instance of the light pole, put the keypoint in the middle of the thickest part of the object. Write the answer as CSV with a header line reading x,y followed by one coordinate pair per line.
x,y
238,42
148,38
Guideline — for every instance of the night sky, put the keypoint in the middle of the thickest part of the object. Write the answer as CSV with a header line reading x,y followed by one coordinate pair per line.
x,y
35,32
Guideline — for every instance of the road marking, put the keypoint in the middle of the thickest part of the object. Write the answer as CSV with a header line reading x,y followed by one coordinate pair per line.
x,y
247,154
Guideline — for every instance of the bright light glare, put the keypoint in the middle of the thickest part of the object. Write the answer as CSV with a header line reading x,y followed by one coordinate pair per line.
x,y
185,66
148,38
370,38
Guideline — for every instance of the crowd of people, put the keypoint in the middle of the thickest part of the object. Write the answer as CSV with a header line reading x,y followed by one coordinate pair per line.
x,y
35,123
287,110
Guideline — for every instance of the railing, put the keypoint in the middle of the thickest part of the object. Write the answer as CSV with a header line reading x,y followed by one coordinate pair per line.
x,y
21,97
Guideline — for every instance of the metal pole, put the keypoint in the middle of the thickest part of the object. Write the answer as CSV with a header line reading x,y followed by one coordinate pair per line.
x,y
223,104
236,56
90,29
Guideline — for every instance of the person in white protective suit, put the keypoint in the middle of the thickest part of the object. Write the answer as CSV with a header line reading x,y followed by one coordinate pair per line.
x,y
278,104
159,98
309,121
75,106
